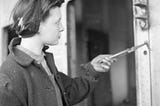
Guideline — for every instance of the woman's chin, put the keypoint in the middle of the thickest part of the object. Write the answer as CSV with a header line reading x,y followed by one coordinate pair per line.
x,y
55,43
52,43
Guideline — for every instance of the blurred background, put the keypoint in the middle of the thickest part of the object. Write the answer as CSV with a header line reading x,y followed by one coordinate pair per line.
x,y
103,27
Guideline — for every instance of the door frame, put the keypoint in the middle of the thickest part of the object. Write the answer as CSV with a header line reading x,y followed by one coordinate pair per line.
x,y
142,56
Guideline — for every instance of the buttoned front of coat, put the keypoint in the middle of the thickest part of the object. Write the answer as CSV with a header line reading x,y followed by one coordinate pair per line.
x,y
23,82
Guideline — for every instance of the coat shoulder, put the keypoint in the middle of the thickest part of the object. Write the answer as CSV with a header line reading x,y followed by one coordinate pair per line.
x,y
13,72
12,82
9,66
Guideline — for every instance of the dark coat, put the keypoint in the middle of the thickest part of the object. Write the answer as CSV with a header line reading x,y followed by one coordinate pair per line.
x,y
23,82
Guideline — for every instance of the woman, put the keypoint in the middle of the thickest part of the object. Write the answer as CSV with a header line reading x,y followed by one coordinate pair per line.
x,y
29,76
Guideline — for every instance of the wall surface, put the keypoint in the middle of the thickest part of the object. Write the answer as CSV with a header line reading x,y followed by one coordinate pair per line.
x,y
5,10
154,7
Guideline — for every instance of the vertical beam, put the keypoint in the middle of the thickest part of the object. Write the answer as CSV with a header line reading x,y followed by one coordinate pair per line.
x,y
154,7
143,54
72,48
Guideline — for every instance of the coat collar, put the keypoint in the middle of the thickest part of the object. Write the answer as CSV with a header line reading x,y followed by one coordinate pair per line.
x,y
21,57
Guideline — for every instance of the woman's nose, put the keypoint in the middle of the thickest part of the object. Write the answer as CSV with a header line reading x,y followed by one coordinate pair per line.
x,y
61,28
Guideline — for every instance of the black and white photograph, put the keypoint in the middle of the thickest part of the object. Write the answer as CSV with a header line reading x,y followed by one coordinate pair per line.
x,y
79,52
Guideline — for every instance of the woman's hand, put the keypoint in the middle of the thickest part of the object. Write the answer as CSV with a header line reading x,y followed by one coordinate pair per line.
x,y
102,63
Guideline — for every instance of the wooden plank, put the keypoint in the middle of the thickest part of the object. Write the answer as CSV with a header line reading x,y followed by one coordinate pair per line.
x,y
71,40
142,58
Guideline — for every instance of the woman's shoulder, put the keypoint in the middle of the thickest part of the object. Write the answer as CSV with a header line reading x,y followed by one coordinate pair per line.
x,y
9,64
11,68
12,72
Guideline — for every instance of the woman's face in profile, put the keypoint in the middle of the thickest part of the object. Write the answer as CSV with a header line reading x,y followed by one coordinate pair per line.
x,y
50,29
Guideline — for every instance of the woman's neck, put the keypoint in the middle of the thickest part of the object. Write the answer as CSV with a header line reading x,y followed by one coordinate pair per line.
x,y
33,44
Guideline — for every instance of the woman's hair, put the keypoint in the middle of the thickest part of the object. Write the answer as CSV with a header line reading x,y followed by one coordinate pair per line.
x,y
28,14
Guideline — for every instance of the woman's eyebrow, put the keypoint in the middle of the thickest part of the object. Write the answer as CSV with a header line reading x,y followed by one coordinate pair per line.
x,y
58,20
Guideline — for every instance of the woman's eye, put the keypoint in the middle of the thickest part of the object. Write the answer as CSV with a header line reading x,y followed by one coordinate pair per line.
x,y
57,22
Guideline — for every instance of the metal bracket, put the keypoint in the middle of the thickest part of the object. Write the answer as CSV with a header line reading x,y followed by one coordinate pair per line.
x,y
141,13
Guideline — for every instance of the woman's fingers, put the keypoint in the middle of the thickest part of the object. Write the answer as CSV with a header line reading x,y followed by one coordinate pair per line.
x,y
102,63
106,61
105,67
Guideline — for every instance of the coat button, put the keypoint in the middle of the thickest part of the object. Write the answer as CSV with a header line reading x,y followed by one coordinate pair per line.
x,y
64,93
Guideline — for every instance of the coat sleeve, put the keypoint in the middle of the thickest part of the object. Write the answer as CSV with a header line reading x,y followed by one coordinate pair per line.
x,y
77,89
7,96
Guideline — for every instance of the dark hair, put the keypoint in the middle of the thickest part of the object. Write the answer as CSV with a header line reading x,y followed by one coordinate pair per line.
x,y
28,14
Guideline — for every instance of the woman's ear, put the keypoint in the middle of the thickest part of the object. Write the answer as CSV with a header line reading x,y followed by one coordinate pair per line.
x,y
41,26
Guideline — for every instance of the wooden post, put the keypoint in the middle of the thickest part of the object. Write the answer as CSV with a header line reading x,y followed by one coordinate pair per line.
x,y
72,48
141,28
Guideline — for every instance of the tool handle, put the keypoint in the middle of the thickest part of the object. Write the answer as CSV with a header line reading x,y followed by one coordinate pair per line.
x,y
124,52
127,51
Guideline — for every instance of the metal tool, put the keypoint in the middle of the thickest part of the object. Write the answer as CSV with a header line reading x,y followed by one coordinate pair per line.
x,y
130,50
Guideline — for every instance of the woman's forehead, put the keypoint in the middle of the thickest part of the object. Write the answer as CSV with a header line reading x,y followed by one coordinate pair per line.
x,y
55,12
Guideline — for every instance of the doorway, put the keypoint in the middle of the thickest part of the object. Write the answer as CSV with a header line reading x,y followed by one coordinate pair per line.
x,y
103,27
